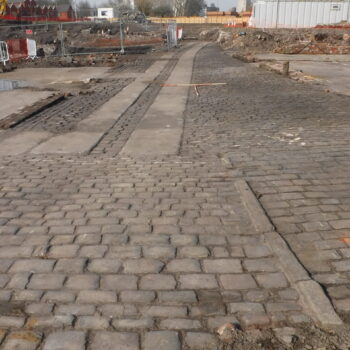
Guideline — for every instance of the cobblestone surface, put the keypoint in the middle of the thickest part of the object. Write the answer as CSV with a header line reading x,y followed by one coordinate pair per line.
x,y
117,263
290,141
64,116
104,251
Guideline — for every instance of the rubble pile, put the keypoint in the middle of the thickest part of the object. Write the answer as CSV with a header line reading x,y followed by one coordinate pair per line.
x,y
246,41
233,337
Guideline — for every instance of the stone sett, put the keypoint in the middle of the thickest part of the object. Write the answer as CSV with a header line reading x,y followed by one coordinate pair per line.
x,y
157,282
200,340
96,297
118,282
136,223
72,340
46,281
183,265
222,266
198,281
238,282
162,339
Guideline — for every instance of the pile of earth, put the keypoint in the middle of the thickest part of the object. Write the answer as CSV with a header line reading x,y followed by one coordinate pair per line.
x,y
248,41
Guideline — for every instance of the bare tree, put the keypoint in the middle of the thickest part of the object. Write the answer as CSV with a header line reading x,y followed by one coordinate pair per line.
x,y
145,6
188,7
85,9
179,7
119,6
163,10
194,7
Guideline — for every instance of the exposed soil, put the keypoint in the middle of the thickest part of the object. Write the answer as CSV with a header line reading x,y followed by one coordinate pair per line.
x,y
247,41
91,43
287,338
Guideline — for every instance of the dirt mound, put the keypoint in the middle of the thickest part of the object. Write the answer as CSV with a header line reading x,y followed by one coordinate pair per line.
x,y
285,338
209,34
247,41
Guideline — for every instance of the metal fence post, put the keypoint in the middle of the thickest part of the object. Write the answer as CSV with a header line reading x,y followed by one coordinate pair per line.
x,y
171,33
63,53
122,51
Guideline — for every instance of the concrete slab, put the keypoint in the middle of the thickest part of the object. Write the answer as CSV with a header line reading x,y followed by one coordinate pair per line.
x,y
333,75
314,58
16,100
22,142
90,130
105,117
152,141
72,142
331,71
48,77
160,130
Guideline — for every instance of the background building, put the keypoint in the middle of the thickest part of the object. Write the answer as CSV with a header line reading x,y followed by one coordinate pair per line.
x,y
299,13
22,10
105,12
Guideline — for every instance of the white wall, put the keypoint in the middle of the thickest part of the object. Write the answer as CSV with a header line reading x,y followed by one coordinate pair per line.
x,y
241,5
298,14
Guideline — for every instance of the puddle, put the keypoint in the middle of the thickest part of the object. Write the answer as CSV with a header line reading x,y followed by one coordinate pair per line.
x,y
6,85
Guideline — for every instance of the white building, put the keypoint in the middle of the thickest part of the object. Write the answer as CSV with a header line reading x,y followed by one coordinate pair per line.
x,y
241,6
105,12
299,13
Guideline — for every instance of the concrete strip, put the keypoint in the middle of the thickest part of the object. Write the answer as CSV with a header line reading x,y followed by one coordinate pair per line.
x,y
72,142
53,77
287,259
15,101
260,221
92,129
160,130
301,57
313,298
105,116
333,75
316,301
17,118
22,142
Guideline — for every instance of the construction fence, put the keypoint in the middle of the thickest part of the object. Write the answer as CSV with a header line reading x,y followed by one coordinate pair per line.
x,y
78,38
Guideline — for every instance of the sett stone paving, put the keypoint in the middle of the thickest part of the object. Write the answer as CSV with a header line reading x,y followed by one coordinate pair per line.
x,y
122,246
290,141
118,252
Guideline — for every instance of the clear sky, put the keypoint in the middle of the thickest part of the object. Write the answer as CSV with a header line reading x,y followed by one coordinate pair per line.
x,y
223,4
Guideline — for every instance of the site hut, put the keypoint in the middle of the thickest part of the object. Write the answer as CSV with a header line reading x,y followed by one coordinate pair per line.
x,y
299,13
105,13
